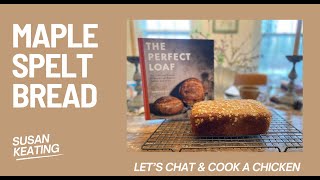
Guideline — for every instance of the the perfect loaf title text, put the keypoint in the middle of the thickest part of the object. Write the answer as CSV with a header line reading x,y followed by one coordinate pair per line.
x,y
163,61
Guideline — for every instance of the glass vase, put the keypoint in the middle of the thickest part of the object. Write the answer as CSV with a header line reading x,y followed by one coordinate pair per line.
x,y
219,89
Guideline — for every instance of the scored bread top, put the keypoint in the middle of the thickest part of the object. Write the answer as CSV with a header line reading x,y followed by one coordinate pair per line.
x,y
239,107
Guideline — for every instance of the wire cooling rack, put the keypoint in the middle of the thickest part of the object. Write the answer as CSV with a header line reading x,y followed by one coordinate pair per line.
x,y
176,135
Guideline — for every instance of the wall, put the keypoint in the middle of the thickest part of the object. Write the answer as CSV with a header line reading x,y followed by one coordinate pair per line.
x,y
246,40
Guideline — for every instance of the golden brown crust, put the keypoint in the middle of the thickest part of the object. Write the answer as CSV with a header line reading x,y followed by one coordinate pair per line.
x,y
191,91
168,105
230,118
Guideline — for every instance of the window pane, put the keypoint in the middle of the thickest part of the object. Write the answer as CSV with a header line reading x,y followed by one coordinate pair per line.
x,y
279,26
152,25
168,25
276,46
183,25
286,26
163,36
171,29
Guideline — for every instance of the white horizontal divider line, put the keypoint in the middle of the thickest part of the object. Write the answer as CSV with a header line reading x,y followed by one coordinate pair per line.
x,y
38,157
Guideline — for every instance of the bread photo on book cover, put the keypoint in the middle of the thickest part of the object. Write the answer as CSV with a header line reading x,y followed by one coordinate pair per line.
x,y
184,95
168,105
191,91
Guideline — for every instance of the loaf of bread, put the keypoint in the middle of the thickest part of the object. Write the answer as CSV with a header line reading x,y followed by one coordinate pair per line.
x,y
191,91
230,118
168,105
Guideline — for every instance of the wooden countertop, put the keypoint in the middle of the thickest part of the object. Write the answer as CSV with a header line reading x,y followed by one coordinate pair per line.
x,y
139,130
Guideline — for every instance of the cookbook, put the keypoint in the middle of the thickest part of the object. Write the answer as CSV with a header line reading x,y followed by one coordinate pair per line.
x,y
176,73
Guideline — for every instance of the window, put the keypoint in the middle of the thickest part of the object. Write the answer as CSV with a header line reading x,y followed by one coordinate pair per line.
x,y
279,26
174,29
278,37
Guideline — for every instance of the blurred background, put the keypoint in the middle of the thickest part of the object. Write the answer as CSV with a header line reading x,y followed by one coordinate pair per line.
x,y
241,46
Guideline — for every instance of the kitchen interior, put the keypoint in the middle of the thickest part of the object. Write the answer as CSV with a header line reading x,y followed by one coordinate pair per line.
x,y
264,54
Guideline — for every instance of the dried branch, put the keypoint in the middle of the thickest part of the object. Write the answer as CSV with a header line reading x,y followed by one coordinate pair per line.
x,y
235,56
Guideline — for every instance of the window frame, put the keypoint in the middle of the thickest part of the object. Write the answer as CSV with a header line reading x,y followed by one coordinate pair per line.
x,y
147,33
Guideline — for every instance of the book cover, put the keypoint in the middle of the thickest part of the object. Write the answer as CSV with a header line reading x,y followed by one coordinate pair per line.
x,y
176,73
